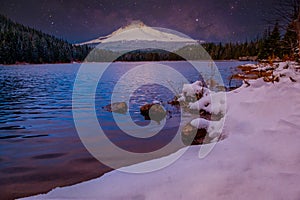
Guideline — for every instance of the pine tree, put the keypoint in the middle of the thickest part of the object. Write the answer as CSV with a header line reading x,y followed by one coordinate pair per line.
x,y
290,43
275,44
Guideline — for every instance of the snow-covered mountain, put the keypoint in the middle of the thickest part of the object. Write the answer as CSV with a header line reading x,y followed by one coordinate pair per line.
x,y
137,35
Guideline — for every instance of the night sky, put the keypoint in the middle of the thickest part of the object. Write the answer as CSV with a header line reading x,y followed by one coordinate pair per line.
x,y
82,20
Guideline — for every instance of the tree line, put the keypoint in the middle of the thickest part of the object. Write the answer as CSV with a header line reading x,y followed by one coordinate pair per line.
x,y
277,45
19,43
271,45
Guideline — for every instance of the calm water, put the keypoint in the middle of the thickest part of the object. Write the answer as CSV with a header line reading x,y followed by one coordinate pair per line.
x,y
39,145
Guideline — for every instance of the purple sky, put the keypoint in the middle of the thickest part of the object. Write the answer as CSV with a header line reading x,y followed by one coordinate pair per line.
x,y
81,20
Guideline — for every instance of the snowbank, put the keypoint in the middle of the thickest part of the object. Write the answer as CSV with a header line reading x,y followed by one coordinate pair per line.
x,y
259,159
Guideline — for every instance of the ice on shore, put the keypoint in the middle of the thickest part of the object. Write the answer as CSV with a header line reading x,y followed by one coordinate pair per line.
x,y
259,159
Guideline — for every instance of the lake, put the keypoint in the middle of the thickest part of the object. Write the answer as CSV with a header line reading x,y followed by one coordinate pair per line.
x,y
40,148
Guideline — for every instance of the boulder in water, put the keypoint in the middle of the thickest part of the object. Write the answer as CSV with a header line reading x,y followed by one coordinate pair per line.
x,y
117,107
153,111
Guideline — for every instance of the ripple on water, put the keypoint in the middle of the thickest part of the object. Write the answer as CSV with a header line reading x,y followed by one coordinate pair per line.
x,y
13,127
22,136
49,156
10,136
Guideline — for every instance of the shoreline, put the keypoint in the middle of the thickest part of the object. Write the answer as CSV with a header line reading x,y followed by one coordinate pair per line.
x,y
37,64
261,147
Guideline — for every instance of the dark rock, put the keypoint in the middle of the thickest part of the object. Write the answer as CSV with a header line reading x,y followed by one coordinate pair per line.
x,y
174,102
117,107
293,80
153,112
192,136
276,78
209,116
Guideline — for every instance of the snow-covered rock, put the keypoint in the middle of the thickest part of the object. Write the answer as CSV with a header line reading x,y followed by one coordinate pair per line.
x,y
213,103
193,91
214,128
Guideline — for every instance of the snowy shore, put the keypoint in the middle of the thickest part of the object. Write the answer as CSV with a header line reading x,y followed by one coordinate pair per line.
x,y
258,159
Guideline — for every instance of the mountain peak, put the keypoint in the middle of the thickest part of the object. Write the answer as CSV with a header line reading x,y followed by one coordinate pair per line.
x,y
137,31
135,24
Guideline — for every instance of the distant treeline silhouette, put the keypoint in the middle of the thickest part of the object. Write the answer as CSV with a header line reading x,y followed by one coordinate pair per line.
x,y
149,55
20,43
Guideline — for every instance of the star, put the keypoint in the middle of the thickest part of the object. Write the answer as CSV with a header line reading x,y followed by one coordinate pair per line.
x,y
101,17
